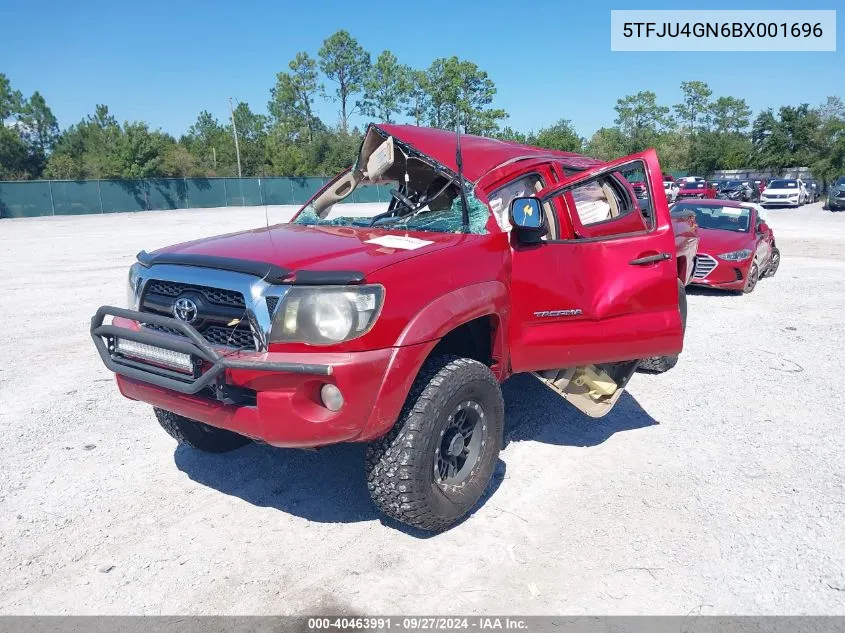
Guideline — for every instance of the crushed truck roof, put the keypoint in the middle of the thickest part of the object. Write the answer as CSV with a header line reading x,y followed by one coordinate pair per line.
x,y
480,154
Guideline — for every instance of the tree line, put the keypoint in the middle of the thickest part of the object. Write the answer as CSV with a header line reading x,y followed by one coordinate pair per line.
x,y
699,135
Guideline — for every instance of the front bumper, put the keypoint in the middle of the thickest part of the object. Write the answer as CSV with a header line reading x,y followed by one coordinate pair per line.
x,y
209,362
780,202
273,397
725,275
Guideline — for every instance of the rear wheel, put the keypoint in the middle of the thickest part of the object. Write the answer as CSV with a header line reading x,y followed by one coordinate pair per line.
x,y
433,466
197,435
660,364
774,263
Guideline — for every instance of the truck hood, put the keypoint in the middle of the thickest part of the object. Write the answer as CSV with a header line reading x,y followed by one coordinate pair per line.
x,y
717,242
320,248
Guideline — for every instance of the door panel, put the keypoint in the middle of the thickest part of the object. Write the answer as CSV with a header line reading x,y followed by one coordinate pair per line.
x,y
582,301
762,240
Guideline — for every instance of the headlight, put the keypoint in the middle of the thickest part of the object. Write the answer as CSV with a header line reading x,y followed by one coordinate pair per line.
x,y
321,315
736,256
133,286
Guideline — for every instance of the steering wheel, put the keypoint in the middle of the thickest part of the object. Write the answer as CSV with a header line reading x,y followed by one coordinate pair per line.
x,y
403,199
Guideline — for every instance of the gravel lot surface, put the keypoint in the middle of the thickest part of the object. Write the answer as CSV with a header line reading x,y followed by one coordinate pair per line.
x,y
718,487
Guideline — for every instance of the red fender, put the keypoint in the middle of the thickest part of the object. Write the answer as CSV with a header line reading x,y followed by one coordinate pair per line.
x,y
455,308
422,334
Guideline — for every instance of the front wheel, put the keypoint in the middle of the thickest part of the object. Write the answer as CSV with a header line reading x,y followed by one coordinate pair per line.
x,y
197,435
433,466
751,281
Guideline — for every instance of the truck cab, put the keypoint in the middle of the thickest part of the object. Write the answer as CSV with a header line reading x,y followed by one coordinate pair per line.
x,y
396,327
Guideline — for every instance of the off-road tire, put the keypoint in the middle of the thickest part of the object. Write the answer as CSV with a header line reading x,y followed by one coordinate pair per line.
x,y
400,466
198,435
751,281
660,364
774,263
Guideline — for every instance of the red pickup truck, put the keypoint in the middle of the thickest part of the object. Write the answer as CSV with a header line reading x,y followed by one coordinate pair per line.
x,y
397,328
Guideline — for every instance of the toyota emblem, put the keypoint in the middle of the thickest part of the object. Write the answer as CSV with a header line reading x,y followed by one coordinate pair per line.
x,y
185,310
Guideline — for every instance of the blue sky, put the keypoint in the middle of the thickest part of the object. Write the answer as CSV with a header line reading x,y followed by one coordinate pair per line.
x,y
164,62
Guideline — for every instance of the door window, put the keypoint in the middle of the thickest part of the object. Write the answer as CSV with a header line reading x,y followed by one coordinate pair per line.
x,y
526,185
617,202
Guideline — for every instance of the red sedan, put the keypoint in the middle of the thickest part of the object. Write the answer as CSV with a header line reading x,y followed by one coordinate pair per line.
x,y
699,189
736,245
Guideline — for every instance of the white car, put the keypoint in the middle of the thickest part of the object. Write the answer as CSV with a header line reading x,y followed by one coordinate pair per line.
x,y
691,179
671,188
784,192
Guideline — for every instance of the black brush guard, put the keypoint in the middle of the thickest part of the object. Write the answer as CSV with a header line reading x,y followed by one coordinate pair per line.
x,y
194,345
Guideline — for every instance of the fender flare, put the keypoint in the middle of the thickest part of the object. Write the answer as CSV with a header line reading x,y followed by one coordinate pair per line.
x,y
455,308
421,335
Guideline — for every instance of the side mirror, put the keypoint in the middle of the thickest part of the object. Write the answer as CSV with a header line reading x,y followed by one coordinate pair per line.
x,y
762,228
528,219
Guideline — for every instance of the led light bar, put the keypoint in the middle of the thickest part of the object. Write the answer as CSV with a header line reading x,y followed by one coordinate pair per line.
x,y
160,356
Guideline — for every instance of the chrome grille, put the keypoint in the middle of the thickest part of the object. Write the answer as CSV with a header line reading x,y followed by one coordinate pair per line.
x,y
220,307
238,337
161,328
218,296
704,265
231,337
234,291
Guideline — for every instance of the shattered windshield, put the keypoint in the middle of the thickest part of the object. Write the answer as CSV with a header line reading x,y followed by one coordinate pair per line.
x,y
445,216
414,194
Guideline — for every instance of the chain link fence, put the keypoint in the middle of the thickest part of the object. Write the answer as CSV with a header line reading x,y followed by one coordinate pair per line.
x,y
23,199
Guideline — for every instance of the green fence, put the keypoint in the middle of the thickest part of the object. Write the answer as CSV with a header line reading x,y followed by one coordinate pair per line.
x,y
23,199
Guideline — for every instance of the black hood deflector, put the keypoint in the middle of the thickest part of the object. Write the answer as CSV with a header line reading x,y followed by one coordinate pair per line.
x,y
272,274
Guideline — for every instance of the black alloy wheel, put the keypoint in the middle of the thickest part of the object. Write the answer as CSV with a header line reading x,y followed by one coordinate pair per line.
x,y
461,443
